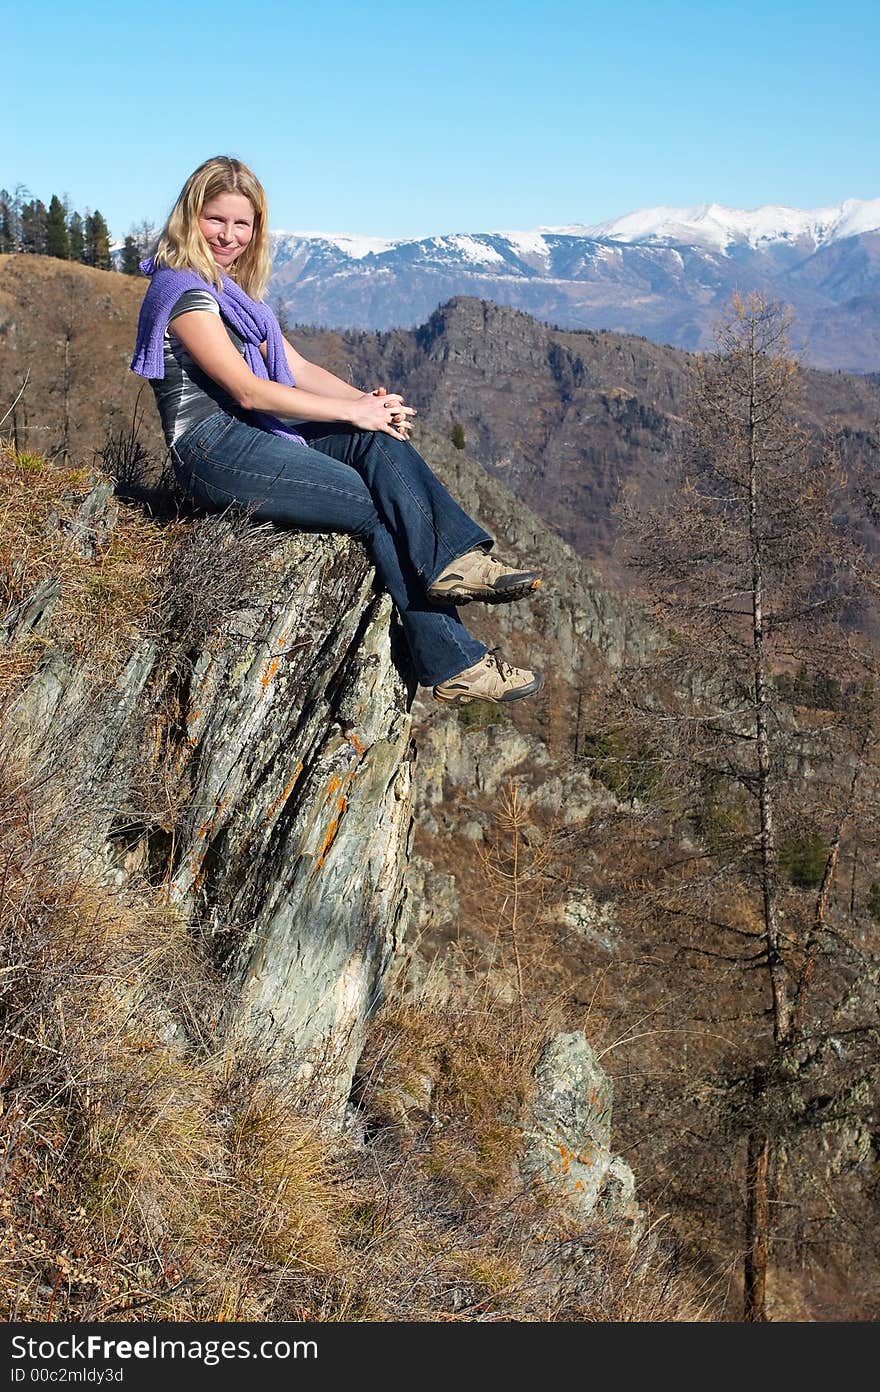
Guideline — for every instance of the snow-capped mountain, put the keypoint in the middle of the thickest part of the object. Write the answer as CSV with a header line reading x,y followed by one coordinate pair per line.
x,y
662,272
714,226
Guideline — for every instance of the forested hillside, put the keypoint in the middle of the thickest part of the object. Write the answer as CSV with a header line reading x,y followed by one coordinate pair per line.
x,y
672,853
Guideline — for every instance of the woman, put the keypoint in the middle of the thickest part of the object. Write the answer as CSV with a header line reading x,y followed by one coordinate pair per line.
x,y
229,388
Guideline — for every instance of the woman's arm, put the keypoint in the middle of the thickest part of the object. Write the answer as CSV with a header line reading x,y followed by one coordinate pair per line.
x,y
204,336
323,383
313,378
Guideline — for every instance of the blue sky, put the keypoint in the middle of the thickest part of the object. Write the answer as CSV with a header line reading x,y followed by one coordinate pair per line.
x,y
407,119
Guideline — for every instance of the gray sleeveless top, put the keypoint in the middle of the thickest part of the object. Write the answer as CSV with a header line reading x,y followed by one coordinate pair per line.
x,y
186,394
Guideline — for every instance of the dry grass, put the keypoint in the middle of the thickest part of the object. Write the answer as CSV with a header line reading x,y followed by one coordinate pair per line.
x,y
106,582
445,1088
151,1168
459,1078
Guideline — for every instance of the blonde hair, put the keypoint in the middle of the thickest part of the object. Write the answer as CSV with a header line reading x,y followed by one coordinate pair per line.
x,y
181,245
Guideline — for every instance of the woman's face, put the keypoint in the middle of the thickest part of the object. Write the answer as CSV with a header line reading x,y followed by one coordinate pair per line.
x,y
227,224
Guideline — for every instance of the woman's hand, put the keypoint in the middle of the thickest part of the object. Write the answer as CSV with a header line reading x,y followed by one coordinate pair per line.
x,y
398,418
379,410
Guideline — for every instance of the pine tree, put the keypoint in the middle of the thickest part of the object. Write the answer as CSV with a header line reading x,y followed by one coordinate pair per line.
x,y
76,233
8,241
57,235
33,227
131,255
751,569
98,242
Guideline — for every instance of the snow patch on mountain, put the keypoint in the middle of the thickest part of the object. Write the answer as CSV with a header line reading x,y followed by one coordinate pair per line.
x,y
710,228
527,243
470,249
350,244
714,227
856,218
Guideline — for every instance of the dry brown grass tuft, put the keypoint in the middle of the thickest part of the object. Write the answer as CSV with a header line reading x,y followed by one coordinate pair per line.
x,y
281,1161
147,1169
461,1078
444,1088
107,581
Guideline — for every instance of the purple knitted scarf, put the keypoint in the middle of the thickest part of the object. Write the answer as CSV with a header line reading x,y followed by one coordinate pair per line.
x,y
253,320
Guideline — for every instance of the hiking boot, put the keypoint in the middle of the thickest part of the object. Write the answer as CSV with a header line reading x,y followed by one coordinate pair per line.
x,y
490,679
477,575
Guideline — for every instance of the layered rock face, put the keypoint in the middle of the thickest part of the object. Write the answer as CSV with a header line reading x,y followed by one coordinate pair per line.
x,y
277,730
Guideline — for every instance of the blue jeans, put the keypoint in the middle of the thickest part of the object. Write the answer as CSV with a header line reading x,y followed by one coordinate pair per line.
x,y
347,480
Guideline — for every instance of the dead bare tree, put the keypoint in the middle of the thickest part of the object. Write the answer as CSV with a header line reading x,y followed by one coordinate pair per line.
x,y
755,734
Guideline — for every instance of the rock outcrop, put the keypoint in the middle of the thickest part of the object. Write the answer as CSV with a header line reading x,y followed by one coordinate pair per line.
x,y
252,757
568,1147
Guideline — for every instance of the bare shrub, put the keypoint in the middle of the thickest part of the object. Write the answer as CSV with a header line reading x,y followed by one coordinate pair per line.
x,y
138,476
213,573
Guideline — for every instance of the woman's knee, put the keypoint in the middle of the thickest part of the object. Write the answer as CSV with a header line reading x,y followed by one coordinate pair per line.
x,y
365,525
379,441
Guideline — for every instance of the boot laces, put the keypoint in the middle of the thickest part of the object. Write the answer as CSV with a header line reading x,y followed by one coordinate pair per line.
x,y
505,669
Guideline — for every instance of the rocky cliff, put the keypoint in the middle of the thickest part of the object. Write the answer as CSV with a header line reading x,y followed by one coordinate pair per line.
x,y
575,630
248,747
252,756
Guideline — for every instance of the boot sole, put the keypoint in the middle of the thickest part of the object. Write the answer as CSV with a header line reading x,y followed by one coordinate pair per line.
x,y
463,698
504,596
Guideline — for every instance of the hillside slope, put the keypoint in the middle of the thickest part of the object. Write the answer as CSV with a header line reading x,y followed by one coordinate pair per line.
x,y
570,421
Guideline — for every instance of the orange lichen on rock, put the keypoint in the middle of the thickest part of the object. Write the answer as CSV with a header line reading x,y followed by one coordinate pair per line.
x,y
282,797
341,804
566,1157
355,742
334,787
271,669
193,718
327,842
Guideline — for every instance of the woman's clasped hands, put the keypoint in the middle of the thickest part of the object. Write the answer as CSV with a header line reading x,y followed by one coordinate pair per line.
x,y
385,411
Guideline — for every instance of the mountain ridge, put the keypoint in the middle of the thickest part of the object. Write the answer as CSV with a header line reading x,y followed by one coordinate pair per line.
x,y
827,224
569,420
661,273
